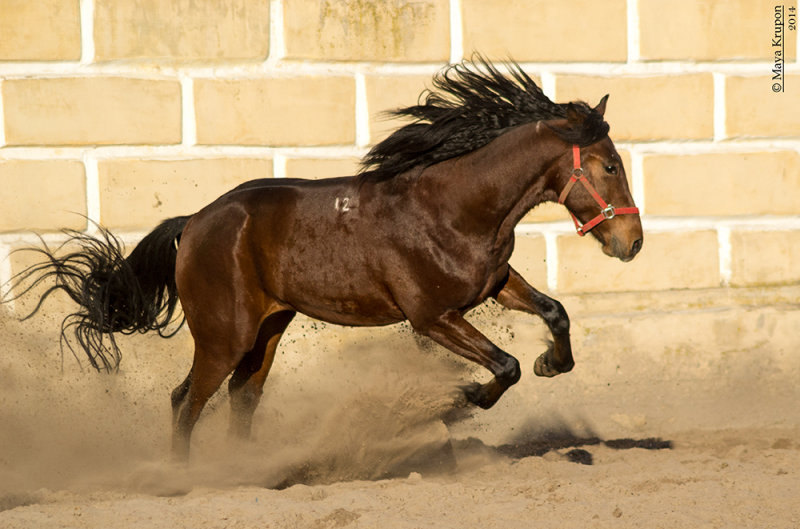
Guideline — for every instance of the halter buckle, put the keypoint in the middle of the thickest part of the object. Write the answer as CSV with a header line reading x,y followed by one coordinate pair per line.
x,y
609,212
577,172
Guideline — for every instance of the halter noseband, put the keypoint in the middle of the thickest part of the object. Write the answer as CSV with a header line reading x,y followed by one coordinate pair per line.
x,y
607,211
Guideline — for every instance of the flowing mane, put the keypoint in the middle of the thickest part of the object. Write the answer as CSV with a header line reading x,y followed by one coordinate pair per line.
x,y
471,104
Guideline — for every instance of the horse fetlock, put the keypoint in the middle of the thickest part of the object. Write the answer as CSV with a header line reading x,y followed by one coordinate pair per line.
x,y
510,372
560,326
557,318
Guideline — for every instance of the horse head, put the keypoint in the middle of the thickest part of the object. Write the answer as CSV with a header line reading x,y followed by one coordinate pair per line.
x,y
592,183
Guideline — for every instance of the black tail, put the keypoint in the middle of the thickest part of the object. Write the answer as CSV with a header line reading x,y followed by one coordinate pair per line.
x,y
115,293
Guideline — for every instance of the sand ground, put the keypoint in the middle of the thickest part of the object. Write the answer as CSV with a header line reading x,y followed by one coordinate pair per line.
x,y
351,434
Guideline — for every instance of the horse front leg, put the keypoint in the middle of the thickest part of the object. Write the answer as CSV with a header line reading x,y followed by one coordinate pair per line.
x,y
517,294
456,334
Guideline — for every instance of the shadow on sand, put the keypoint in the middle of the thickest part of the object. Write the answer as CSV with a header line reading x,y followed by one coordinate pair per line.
x,y
445,458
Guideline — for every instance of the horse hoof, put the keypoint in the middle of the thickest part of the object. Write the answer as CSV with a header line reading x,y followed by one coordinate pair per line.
x,y
469,393
542,367
475,394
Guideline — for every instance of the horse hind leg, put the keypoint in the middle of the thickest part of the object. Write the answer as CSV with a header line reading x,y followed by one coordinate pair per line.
x,y
179,398
247,382
210,368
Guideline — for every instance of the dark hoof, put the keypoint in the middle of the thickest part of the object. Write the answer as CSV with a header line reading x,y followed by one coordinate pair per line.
x,y
460,399
476,394
462,406
543,368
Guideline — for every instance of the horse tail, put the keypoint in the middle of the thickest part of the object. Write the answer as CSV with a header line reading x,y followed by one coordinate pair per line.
x,y
114,293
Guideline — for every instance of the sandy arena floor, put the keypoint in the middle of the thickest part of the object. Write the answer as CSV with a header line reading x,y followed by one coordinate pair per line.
x,y
352,436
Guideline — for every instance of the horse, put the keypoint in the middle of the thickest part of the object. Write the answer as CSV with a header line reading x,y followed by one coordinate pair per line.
x,y
423,233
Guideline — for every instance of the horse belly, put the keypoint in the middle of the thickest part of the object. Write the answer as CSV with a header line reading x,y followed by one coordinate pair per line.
x,y
353,314
334,278
355,301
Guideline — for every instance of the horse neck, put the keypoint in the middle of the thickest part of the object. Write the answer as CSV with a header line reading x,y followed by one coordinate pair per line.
x,y
492,188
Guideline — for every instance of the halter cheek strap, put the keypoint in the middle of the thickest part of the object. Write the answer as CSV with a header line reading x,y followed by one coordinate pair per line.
x,y
607,211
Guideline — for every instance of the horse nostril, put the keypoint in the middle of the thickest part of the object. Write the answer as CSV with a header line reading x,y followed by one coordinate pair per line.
x,y
637,245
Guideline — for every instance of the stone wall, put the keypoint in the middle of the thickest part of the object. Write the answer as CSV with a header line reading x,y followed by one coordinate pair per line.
x,y
126,112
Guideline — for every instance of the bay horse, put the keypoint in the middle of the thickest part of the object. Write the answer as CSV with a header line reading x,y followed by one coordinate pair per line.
x,y
423,233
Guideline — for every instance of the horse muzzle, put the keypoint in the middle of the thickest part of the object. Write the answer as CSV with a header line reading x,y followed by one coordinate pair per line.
x,y
623,251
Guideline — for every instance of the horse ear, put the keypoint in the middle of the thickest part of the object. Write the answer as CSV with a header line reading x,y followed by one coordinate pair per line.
x,y
601,106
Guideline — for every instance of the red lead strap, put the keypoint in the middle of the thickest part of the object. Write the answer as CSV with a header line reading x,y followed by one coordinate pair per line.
x,y
607,211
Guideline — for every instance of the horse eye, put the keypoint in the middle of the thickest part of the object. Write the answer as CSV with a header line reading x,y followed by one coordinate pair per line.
x,y
611,169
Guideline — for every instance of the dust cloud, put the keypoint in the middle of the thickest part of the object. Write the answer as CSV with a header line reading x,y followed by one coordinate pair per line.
x,y
340,404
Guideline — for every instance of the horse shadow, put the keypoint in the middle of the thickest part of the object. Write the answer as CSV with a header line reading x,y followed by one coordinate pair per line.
x,y
561,440
445,458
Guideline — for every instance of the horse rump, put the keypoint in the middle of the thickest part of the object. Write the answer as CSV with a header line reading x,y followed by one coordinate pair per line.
x,y
114,293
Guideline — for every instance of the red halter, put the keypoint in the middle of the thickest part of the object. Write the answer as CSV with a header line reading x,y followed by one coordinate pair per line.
x,y
607,211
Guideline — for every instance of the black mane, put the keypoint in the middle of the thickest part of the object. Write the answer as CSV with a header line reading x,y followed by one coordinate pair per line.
x,y
471,104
